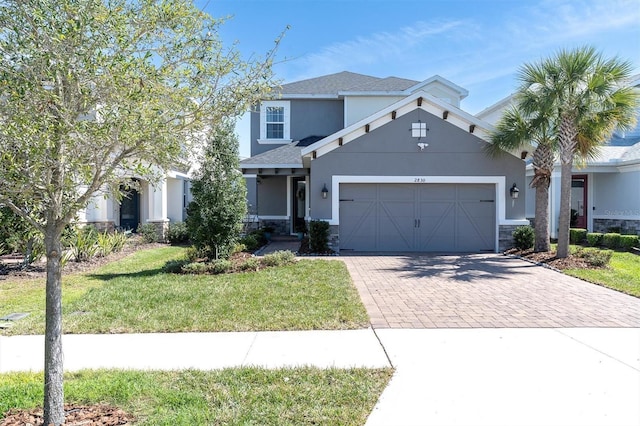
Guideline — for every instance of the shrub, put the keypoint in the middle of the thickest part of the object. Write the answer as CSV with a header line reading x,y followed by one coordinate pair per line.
x,y
319,236
627,242
220,266
104,244
279,258
596,257
192,254
85,246
178,233
175,266
251,264
254,240
148,232
195,268
523,237
577,235
611,240
594,238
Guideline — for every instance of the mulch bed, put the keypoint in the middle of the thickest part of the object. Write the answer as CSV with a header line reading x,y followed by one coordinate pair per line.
x,y
305,250
549,258
12,267
75,415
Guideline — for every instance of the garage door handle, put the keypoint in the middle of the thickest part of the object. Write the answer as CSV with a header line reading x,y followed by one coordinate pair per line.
x,y
416,223
346,199
487,201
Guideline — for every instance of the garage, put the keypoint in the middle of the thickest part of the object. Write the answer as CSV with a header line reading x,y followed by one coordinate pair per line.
x,y
421,217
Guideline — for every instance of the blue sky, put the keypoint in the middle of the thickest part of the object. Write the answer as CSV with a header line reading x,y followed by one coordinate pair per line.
x,y
478,45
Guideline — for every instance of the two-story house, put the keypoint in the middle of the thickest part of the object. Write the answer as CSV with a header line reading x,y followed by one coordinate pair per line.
x,y
605,190
392,164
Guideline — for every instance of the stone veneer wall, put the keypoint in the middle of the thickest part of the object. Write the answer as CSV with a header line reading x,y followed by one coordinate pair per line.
x,y
334,238
162,228
280,226
505,237
624,226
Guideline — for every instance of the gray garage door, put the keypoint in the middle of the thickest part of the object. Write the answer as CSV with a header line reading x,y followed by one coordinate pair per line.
x,y
417,217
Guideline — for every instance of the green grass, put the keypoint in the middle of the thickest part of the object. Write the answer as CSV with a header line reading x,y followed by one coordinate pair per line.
x,y
247,396
623,273
134,295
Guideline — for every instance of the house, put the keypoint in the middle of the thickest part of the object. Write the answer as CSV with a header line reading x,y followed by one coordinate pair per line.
x,y
160,204
605,190
392,164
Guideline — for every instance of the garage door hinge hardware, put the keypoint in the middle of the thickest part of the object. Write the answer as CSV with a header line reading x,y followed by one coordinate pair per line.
x,y
416,223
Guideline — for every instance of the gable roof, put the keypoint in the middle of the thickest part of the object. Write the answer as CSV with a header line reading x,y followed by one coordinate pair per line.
x,y
330,84
430,104
349,83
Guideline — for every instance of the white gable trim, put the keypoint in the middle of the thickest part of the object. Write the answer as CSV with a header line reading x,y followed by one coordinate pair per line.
x,y
430,104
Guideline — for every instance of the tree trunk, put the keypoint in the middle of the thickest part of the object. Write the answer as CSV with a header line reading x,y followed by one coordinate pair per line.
x,y
543,160
564,221
542,218
567,143
53,368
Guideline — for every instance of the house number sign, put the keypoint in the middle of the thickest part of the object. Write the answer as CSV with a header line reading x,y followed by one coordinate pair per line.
x,y
420,180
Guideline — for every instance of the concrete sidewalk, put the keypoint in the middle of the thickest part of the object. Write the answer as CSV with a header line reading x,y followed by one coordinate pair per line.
x,y
205,351
569,376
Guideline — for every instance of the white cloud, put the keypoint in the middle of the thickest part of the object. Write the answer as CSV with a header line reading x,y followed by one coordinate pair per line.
x,y
380,47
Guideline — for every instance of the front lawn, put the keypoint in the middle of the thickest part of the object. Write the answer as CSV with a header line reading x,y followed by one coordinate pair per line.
x,y
134,295
623,273
229,397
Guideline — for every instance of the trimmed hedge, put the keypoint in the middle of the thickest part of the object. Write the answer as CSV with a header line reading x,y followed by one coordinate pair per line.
x,y
611,240
627,242
577,235
594,238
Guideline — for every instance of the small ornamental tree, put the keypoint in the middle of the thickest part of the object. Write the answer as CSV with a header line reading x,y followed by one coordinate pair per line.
x,y
93,92
219,196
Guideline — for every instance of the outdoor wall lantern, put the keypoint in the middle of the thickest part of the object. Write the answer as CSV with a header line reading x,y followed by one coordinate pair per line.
x,y
325,191
514,191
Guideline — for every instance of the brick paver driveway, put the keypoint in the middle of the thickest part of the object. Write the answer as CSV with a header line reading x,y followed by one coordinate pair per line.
x,y
480,290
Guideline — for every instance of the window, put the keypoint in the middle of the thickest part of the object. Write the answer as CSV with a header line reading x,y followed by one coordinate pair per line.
x,y
274,122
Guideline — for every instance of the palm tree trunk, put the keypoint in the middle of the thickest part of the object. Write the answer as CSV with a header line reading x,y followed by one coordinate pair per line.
x,y
564,221
543,160
567,142
542,243
53,368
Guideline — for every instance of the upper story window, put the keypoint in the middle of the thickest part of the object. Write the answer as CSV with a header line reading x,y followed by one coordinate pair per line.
x,y
274,122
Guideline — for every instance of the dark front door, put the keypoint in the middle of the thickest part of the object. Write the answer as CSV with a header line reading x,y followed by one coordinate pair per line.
x,y
130,209
579,201
298,204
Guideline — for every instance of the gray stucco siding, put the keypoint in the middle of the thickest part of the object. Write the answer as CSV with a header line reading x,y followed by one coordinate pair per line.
x,y
308,118
391,151
272,196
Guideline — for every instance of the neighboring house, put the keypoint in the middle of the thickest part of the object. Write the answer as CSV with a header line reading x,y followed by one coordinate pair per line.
x,y
392,165
605,195
159,204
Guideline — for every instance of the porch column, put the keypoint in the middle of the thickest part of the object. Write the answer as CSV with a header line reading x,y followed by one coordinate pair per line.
x,y
157,196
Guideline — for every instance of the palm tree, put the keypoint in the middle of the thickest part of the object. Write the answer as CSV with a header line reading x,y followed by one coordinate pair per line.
x,y
586,96
515,131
